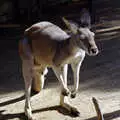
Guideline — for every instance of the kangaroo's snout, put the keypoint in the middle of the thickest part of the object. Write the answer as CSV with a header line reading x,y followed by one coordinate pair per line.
x,y
93,51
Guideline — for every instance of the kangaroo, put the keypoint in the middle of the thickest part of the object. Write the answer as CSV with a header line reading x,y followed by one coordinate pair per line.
x,y
46,45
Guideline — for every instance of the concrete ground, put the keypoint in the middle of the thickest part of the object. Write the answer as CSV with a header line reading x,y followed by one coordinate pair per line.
x,y
99,78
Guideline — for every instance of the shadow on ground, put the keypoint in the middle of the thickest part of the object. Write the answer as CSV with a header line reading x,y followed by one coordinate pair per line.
x,y
21,116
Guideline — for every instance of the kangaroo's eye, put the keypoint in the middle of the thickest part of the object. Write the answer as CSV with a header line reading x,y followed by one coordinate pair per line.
x,y
82,36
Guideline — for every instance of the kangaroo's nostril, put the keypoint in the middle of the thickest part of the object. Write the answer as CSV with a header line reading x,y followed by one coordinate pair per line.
x,y
94,50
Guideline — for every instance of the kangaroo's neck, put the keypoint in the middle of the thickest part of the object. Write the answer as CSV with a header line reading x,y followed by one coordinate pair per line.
x,y
73,47
68,46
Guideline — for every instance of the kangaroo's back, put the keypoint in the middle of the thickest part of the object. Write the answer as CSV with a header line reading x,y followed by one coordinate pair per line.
x,y
44,37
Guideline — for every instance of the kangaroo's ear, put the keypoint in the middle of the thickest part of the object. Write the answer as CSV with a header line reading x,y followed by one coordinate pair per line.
x,y
85,19
72,26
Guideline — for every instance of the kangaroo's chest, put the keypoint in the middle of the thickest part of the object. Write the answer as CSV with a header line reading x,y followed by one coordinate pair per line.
x,y
67,56
73,57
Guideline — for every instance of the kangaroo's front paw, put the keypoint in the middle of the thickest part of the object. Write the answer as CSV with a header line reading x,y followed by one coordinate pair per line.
x,y
65,92
73,94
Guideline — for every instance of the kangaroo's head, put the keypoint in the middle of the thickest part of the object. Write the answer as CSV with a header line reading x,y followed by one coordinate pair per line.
x,y
84,37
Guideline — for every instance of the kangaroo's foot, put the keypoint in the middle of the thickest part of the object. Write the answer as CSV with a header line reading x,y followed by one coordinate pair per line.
x,y
28,113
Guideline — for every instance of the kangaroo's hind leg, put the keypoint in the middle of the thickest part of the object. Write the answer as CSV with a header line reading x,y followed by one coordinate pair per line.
x,y
27,72
27,75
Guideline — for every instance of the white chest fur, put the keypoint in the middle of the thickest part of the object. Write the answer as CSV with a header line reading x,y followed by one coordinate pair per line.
x,y
77,55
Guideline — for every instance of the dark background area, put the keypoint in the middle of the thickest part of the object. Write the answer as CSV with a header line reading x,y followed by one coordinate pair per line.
x,y
16,15
30,11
